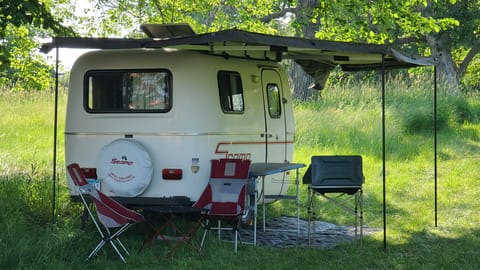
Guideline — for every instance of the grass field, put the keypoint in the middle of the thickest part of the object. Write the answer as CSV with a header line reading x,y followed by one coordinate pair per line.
x,y
347,121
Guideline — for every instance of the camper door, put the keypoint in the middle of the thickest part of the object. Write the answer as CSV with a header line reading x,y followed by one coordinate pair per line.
x,y
275,119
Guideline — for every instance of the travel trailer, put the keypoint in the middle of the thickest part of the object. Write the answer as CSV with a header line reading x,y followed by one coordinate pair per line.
x,y
150,120
148,115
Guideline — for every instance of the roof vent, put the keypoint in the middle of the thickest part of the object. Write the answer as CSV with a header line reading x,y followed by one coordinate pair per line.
x,y
167,30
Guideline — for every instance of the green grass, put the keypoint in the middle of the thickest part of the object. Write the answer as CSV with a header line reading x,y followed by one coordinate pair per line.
x,y
347,121
26,135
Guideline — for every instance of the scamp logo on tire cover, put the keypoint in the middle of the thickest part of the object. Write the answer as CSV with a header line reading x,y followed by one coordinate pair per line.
x,y
123,177
124,167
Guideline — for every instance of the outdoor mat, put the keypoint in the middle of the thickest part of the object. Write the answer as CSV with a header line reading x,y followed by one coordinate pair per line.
x,y
282,232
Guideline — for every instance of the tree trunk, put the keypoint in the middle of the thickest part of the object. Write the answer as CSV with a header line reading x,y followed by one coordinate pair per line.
x,y
446,67
440,47
300,80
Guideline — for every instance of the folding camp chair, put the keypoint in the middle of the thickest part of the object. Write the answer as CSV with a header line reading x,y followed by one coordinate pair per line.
x,y
110,213
338,175
223,200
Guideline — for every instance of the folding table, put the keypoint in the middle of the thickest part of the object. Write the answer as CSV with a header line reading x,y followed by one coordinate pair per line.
x,y
263,169
170,214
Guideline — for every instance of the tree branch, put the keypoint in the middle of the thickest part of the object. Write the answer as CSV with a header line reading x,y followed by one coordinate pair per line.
x,y
278,14
467,60
410,39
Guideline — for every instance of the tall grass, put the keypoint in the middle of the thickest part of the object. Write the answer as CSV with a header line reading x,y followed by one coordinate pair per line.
x,y
346,121
26,135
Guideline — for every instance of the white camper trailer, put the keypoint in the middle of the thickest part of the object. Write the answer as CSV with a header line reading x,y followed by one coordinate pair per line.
x,y
176,102
149,114
150,120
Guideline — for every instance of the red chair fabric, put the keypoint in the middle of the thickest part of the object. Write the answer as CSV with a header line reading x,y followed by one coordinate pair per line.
x,y
110,213
223,200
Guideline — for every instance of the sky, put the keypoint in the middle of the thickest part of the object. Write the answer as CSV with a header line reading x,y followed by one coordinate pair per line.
x,y
66,57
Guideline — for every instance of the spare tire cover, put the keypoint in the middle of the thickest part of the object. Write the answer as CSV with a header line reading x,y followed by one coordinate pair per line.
x,y
124,168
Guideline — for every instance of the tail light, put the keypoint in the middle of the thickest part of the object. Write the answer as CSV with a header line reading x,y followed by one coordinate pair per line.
x,y
172,174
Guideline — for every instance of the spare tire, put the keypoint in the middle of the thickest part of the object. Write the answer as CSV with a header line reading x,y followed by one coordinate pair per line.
x,y
124,168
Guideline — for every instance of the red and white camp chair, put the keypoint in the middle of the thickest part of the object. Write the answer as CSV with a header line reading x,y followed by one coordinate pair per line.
x,y
223,200
110,213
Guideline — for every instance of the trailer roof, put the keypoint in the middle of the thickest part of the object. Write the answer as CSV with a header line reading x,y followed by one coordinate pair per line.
x,y
317,57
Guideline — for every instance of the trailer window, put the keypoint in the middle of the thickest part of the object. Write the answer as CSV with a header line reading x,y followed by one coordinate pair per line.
x,y
231,92
273,96
128,91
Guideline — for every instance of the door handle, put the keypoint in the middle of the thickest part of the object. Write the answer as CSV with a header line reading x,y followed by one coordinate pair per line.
x,y
268,135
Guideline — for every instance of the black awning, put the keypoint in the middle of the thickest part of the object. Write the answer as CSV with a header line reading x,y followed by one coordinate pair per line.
x,y
317,57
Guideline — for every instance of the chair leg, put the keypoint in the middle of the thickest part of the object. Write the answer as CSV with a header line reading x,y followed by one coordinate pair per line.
x,y
111,238
236,237
314,217
240,237
123,247
206,228
355,212
203,238
111,241
359,213
311,218
235,241
309,212
361,216
356,209
84,218
96,249
117,233
118,251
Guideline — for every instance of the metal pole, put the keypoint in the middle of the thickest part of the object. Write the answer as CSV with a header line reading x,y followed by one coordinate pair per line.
x,y
435,127
55,124
383,157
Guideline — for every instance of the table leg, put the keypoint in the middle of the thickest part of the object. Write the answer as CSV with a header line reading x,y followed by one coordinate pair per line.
x,y
255,210
188,237
183,236
297,199
263,201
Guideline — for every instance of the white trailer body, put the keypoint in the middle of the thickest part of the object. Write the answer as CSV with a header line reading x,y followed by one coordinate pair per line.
x,y
185,108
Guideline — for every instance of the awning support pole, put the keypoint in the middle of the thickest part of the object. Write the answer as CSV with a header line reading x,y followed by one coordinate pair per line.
x,y
55,124
383,157
435,127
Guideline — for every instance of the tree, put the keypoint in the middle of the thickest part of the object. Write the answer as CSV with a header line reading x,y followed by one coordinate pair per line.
x,y
22,22
32,12
123,17
448,30
455,47
26,69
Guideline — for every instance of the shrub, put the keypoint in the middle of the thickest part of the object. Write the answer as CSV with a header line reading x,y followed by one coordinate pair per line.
x,y
419,118
462,111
